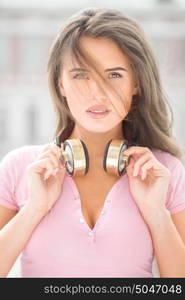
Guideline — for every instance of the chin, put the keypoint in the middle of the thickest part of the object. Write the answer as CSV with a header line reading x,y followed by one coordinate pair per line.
x,y
95,129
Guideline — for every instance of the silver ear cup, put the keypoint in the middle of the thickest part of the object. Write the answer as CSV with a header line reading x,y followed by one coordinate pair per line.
x,y
76,157
114,161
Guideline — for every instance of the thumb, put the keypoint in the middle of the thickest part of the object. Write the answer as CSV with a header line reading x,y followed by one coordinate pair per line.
x,y
130,167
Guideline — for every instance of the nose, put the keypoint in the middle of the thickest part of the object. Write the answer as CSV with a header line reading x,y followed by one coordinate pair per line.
x,y
96,91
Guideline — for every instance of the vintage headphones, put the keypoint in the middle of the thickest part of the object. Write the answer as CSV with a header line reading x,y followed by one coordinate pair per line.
x,y
74,156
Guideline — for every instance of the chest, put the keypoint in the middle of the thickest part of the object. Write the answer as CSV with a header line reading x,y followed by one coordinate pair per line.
x,y
93,193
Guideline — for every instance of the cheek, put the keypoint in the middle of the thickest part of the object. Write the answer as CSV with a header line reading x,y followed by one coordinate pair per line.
x,y
126,88
126,92
76,91
75,104
121,102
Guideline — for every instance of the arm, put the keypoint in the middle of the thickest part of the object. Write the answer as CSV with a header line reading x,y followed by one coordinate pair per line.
x,y
168,234
6,215
15,234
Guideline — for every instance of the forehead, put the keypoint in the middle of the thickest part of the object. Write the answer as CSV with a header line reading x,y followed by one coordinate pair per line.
x,y
104,52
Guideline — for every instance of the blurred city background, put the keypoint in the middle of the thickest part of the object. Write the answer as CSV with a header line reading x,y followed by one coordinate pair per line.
x,y
27,29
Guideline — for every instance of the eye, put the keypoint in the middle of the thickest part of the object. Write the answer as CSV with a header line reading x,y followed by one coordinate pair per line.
x,y
114,75
80,76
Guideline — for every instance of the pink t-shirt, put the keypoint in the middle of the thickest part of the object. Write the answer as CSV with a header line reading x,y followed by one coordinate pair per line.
x,y
63,245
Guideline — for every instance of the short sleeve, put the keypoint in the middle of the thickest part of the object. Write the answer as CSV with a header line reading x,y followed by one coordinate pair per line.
x,y
13,187
176,191
8,176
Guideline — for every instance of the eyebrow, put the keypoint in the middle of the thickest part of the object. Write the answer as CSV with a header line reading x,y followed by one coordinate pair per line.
x,y
106,70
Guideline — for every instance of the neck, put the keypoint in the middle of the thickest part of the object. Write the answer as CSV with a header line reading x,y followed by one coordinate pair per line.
x,y
96,142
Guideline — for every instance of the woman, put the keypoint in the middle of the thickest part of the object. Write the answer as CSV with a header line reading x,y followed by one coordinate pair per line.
x,y
105,85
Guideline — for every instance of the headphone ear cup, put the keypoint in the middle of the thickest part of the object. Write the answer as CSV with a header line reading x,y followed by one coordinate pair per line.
x,y
86,157
105,156
57,141
114,161
77,162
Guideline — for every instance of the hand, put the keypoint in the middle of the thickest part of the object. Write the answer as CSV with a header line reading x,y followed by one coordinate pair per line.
x,y
148,180
44,178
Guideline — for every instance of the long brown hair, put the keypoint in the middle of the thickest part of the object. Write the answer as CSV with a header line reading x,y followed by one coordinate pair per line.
x,y
149,121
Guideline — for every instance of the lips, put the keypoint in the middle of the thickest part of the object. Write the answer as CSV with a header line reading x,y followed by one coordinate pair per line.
x,y
96,108
98,115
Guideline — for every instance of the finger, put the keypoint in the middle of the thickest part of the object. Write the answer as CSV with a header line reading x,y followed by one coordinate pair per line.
x,y
47,165
50,171
55,149
50,146
51,155
45,148
58,171
53,167
58,152
148,165
136,150
129,167
41,165
140,161
158,168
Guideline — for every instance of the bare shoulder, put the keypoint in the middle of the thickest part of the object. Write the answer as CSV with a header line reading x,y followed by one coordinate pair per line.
x,y
6,215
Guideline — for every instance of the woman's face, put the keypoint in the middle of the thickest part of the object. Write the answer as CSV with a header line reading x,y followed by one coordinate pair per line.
x,y
82,87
